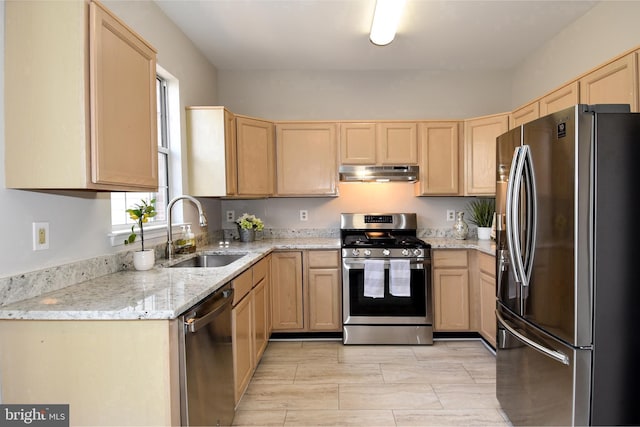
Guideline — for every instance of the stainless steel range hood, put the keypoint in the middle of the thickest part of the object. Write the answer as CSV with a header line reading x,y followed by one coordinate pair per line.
x,y
366,173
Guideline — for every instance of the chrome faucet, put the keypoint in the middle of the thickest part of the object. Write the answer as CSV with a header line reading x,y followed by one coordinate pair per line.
x,y
203,221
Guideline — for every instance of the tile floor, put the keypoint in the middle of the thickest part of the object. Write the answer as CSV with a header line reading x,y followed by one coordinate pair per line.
x,y
324,383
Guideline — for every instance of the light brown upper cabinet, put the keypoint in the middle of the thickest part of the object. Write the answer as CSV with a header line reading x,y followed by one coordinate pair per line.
x,y
255,156
381,143
211,151
524,114
80,100
613,83
306,159
439,157
560,99
397,143
480,153
357,143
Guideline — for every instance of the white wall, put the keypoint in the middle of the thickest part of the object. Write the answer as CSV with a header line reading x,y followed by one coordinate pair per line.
x,y
344,94
79,222
605,31
354,197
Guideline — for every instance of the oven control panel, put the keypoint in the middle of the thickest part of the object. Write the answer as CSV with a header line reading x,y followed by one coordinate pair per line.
x,y
382,253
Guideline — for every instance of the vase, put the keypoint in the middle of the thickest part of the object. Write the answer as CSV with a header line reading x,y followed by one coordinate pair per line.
x,y
460,228
247,234
144,260
484,233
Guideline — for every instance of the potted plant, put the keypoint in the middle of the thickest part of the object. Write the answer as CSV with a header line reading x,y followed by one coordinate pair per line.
x,y
482,211
140,213
247,227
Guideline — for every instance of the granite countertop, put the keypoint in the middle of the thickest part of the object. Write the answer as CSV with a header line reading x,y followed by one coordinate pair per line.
x,y
165,293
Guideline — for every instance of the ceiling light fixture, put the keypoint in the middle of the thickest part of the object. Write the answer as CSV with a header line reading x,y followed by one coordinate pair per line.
x,y
385,21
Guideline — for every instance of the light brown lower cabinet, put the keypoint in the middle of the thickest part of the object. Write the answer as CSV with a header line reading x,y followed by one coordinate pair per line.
x,y
487,282
286,291
324,291
464,290
251,326
451,290
306,291
243,357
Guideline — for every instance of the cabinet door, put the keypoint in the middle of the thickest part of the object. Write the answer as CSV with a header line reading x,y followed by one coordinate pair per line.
x,y
560,99
286,291
325,313
439,157
524,115
480,153
614,83
243,356
357,143
260,311
210,153
306,159
488,307
451,299
124,147
255,156
397,143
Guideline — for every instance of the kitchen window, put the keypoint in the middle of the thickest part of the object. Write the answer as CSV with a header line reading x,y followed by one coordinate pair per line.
x,y
121,201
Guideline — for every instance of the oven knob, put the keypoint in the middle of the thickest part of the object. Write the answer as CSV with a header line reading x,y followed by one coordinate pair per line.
x,y
367,252
417,252
405,252
386,252
356,252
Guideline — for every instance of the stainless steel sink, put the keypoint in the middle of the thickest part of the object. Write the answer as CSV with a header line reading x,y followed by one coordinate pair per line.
x,y
208,260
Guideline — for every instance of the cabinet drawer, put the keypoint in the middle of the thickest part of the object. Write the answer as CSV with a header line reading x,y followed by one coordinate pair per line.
x,y
321,259
241,285
450,258
260,270
487,264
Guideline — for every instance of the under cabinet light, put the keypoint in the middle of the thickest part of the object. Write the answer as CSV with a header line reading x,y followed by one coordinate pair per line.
x,y
385,21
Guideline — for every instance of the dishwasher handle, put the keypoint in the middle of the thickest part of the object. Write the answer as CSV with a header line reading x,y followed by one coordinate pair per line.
x,y
195,323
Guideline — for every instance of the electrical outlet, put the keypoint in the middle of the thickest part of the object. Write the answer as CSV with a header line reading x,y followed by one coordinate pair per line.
x,y
231,216
40,236
304,215
451,215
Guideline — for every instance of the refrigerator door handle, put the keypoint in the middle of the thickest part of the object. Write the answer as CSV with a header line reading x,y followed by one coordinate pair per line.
x,y
532,215
556,355
513,214
509,211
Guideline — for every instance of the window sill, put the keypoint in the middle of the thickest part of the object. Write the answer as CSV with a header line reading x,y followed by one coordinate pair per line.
x,y
151,232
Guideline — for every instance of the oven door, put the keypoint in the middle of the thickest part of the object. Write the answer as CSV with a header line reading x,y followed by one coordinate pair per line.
x,y
389,310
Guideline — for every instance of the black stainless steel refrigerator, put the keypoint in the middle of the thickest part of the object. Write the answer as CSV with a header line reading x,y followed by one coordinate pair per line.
x,y
568,269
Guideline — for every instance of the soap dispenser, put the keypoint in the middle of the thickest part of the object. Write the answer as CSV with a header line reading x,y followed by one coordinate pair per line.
x,y
190,240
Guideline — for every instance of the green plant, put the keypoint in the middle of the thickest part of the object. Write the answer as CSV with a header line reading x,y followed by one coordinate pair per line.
x,y
140,214
481,212
248,222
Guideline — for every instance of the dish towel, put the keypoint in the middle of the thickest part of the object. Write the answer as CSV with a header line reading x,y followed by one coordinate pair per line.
x,y
374,278
400,277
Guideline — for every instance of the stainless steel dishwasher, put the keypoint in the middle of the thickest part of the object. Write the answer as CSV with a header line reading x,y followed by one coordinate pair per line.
x,y
206,362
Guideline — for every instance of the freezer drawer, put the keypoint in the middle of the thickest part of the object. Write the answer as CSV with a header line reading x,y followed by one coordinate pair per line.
x,y
537,388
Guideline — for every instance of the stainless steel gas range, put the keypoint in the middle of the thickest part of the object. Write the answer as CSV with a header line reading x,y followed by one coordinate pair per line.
x,y
386,280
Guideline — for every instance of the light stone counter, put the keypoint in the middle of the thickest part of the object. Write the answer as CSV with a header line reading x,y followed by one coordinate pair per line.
x,y
486,246
159,293
165,293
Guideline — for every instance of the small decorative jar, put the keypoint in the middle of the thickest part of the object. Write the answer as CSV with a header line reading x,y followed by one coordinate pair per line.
x,y
460,228
247,234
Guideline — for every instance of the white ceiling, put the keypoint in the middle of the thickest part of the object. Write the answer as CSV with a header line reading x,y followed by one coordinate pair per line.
x,y
333,34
